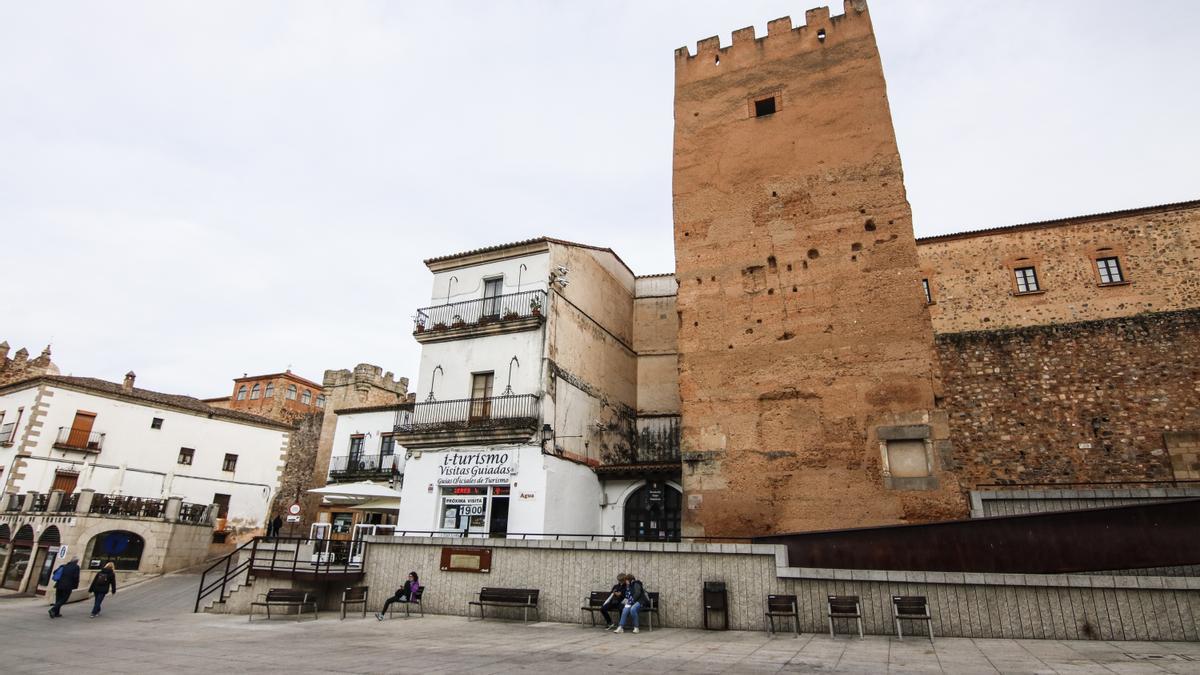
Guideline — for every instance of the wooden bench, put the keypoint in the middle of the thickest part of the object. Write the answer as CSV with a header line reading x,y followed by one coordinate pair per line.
x,y
783,607
414,599
596,600
355,595
911,608
845,607
521,598
285,597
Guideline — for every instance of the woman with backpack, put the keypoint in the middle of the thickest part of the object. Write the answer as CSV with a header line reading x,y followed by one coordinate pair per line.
x,y
104,580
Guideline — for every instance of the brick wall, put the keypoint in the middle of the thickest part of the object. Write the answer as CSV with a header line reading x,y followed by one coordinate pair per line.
x,y
1077,402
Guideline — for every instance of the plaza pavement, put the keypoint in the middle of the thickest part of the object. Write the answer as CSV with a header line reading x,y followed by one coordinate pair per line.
x,y
150,628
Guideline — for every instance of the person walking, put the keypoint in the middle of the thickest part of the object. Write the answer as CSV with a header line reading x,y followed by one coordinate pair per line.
x,y
403,594
635,598
613,602
104,580
66,579
275,526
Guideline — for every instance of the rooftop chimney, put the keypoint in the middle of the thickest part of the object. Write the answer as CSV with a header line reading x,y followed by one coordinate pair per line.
x,y
128,384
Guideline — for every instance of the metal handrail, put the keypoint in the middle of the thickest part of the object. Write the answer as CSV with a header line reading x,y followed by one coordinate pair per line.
x,y
480,312
515,410
69,503
360,463
79,439
563,536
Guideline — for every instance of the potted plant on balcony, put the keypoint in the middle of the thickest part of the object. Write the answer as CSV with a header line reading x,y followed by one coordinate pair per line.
x,y
457,322
438,326
419,324
535,306
510,315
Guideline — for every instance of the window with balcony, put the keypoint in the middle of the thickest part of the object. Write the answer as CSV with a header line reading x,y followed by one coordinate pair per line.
x,y
254,392
79,436
186,455
481,395
230,463
291,392
492,290
494,313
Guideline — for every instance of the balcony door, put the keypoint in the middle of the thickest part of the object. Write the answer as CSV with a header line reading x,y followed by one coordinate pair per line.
x,y
481,396
356,452
81,429
65,482
492,289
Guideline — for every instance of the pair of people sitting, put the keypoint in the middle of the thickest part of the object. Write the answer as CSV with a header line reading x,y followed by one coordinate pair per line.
x,y
629,595
405,593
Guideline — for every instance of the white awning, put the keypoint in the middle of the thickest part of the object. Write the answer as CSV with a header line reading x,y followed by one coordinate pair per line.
x,y
378,505
357,491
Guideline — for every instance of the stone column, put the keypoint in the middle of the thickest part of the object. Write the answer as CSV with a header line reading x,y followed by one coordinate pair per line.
x,y
84,505
52,504
171,511
28,503
210,514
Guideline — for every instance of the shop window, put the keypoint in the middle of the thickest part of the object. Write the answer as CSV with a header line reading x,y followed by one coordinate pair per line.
x,y
241,393
1026,279
306,397
476,508
1109,269
254,392
291,392
269,392
122,549
186,455
343,523
230,463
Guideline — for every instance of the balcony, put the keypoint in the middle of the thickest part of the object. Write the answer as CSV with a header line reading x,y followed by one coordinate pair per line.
x,y
82,440
483,316
133,507
656,450
468,421
350,468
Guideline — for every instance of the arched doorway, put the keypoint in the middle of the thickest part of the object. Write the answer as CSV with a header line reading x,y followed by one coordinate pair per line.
x,y
123,549
18,558
45,557
652,513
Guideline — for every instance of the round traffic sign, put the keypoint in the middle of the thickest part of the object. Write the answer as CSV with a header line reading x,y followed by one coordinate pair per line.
x,y
294,509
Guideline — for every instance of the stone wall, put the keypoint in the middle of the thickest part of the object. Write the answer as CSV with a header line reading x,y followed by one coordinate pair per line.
x,y
971,274
963,605
802,326
20,367
1077,402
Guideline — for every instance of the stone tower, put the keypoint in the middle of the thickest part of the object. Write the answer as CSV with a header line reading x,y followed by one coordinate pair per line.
x,y
807,376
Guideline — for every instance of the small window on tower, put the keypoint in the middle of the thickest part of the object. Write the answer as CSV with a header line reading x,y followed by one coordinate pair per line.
x,y
764,107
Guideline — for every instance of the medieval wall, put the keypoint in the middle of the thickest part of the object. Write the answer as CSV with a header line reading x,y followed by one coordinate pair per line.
x,y
802,327
972,283
20,367
656,341
1073,402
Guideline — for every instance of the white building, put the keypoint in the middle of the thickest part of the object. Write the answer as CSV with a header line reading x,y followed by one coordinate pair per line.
x,y
547,397
365,449
135,450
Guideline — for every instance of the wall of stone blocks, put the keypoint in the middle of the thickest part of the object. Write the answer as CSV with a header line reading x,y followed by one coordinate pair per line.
x,y
1107,607
1079,402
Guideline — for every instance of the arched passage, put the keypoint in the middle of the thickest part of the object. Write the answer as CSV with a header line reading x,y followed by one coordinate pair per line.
x,y
652,513
123,549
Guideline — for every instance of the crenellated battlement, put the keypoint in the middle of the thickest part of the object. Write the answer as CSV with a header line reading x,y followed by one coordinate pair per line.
x,y
819,30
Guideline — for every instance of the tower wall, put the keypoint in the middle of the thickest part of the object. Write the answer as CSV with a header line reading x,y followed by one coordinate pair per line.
x,y
804,340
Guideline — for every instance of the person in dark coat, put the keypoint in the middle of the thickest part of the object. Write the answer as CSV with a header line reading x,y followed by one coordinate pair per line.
x,y
67,581
104,580
615,598
405,593
276,526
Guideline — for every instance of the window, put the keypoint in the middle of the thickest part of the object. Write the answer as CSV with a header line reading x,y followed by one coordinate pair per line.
x,y
356,447
186,455
387,445
222,502
925,288
492,288
306,398
320,400
342,522
254,391
269,392
241,394
291,392
764,107
7,431
1110,270
230,462
1026,279
481,395
156,423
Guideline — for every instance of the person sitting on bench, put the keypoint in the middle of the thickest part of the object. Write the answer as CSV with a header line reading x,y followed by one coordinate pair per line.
x,y
403,594
635,599
614,601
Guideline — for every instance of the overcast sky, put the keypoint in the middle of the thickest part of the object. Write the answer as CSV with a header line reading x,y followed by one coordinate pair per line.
x,y
194,190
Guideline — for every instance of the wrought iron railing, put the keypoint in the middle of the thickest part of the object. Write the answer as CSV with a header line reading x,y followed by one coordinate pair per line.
x,y
14,503
116,505
496,412
356,464
40,502
480,312
79,439
69,503
192,513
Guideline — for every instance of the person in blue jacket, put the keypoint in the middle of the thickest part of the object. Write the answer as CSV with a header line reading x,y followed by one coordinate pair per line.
x,y
66,579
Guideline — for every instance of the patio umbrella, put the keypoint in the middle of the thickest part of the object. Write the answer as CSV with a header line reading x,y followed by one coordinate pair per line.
x,y
378,505
357,491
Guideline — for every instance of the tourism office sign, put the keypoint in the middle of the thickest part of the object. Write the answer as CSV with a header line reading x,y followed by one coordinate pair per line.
x,y
477,468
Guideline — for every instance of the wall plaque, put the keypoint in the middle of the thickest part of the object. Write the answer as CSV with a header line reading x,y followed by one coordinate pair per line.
x,y
464,559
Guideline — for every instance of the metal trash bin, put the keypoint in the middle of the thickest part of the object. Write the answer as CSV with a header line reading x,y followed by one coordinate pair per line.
x,y
716,599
